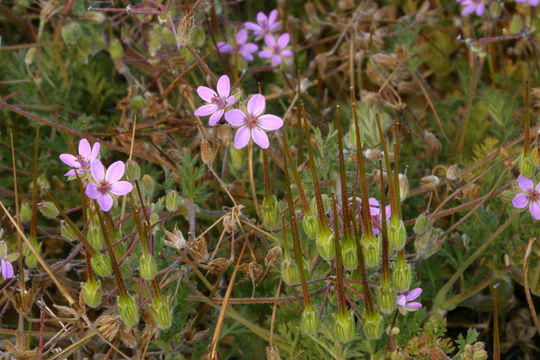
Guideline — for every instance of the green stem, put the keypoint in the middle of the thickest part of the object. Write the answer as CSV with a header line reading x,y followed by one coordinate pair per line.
x,y
343,178
342,305
301,192
384,232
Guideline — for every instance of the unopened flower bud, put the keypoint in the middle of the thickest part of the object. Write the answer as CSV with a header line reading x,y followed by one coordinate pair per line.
x,y
67,232
71,33
30,55
115,49
430,181
356,285
148,184
289,272
237,157
133,171
160,308
397,355
26,212
310,223
350,256
310,320
217,266
386,297
397,235
325,243
422,224
371,248
148,267
495,10
403,186
372,325
526,166
95,237
47,209
345,326
453,173
101,265
402,276
30,261
326,202
138,103
270,212
171,201
128,311
92,292
207,155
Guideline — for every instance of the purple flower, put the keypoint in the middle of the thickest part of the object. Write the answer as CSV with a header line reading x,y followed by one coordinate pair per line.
x,y
245,50
470,6
531,197
531,2
405,301
376,214
6,269
264,24
106,183
276,49
82,161
254,123
216,102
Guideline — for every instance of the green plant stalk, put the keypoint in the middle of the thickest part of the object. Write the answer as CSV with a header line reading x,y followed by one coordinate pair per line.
x,y
285,241
396,172
391,189
301,192
343,178
527,139
464,295
33,225
313,168
340,291
360,158
299,118
266,171
496,340
440,298
296,241
140,229
384,232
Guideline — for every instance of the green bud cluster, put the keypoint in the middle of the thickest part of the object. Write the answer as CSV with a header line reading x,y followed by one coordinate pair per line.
x,y
349,254
371,248
386,297
372,325
237,157
148,184
26,212
47,209
91,291
148,267
526,166
270,212
115,49
310,223
171,201
71,32
95,237
397,235
422,225
101,265
325,243
128,310
345,326
402,276
67,232
160,308
289,271
310,320
133,171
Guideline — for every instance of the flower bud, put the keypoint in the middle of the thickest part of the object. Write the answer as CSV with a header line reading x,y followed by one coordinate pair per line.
x,y
495,10
148,267
71,33
397,355
160,308
516,24
371,248
138,103
310,320
128,311
325,243
67,232
526,166
357,285
237,157
402,276
453,173
47,209
289,272
30,55
386,297
508,195
26,212
92,292
30,261
270,212
372,325
310,223
101,265
171,201
397,235
345,327
95,237
430,181
133,171
126,269
326,202
115,49
207,155
350,256
403,186
422,224
148,184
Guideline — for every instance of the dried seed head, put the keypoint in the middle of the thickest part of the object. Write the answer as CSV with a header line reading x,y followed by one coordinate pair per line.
x,y
433,145
175,154
217,266
403,186
185,29
198,249
207,155
373,154
252,269
229,223
271,259
453,173
272,353
159,137
430,181
176,239
401,52
346,4
108,326
388,61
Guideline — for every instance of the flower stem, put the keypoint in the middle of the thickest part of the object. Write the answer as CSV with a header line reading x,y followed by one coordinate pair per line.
x,y
384,229
340,291
527,139
287,153
391,189
252,181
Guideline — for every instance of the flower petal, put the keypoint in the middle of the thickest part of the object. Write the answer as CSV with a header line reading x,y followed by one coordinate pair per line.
x,y
121,188
533,2
241,37
105,202
373,202
256,105
388,210
7,269
97,170
276,60
205,110
249,48
115,172
224,86
265,54
414,294
520,201
69,160
70,173
230,101
468,9
242,137
270,122
270,41
534,208
286,53
92,191
84,148
401,300
283,40
525,184
224,47
260,137
235,117
216,117
480,9
95,151
257,30
274,26
272,17
413,306
261,18
206,93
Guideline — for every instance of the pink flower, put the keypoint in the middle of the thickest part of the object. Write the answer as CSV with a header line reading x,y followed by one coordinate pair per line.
x,y
216,102
276,49
405,301
531,197
531,2
82,161
470,6
253,124
6,269
376,214
245,50
264,24
106,183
